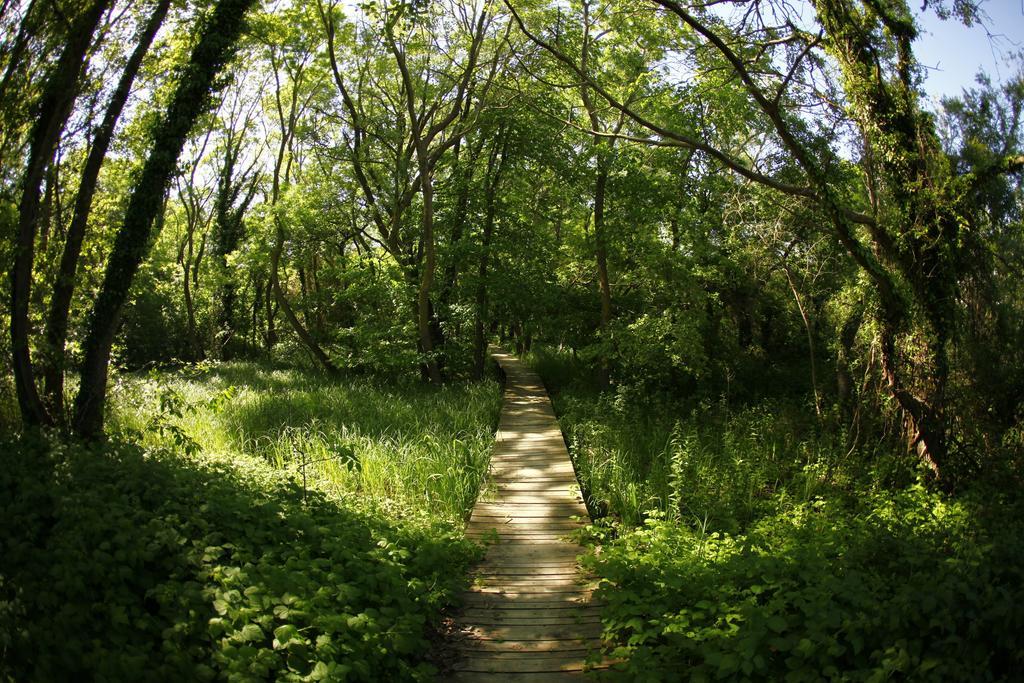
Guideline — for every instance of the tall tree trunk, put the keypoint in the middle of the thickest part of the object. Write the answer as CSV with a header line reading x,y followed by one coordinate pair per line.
x,y
271,338
496,163
423,318
228,232
190,99
847,337
464,170
482,314
601,256
63,289
811,348
601,147
289,313
287,121
257,301
190,309
55,107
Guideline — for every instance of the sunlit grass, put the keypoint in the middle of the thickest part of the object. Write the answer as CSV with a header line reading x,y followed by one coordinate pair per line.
x,y
407,445
708,463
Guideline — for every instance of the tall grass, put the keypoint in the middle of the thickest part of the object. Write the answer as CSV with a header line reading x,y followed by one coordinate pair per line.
x,y
404,445
710,464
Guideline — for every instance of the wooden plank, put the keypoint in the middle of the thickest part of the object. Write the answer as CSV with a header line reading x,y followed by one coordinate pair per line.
x,y
532,522
508,535
571,615
549,648
552,515
524,663
541,508
567,480
564,509
471,599
527,491
549,570
532,583
491,537
532,589
528,471
533,490
521,555
497,557
540,488
502,619
580,613
584,631
544,677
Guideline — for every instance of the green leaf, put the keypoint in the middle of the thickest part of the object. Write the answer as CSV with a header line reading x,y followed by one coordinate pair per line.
x,y
284,634
251,633
777,623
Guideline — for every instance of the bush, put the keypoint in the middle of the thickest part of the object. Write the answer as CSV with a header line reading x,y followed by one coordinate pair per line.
x,y
906,585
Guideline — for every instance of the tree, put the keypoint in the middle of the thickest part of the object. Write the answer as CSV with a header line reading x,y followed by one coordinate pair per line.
x,y
55,335
236,190
901,228
289,106
420,117
55,107
193,91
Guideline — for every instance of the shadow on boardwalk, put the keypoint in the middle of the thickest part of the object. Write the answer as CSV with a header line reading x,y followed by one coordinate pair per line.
x,y
529,615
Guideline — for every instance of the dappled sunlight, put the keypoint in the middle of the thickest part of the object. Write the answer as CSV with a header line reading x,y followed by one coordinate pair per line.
x,y
412,445
529,610
234,559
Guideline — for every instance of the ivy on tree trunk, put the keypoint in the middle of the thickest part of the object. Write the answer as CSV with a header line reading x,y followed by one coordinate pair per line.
x,y
196,84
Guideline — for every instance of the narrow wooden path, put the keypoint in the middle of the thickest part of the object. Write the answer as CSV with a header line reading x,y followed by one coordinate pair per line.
x,y
529,615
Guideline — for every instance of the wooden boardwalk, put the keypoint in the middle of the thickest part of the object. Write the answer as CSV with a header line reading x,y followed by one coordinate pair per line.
x,y
529,615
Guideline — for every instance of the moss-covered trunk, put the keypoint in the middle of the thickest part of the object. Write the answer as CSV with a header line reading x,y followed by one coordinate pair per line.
x,y
55,107
63,289
196,83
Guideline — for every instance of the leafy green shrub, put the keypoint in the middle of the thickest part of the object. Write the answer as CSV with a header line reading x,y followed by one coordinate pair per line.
x,y
155,328
119,563
653,351
904,585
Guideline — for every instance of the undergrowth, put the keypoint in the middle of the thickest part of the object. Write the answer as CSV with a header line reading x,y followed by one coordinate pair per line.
x,y
755,542
187,547
405,444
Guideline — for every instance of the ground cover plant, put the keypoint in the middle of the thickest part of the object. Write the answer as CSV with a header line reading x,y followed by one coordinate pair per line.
x,y
193,551
746,542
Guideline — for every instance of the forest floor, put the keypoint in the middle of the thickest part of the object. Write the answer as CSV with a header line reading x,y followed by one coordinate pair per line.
x,y
252,522
243,522
746,540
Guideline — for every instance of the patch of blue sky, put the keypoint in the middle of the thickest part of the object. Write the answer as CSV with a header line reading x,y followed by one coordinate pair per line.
x,y
953,54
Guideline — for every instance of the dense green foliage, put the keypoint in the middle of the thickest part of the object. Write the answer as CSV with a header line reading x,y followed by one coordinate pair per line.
x,y
193,550
901,585
743,541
